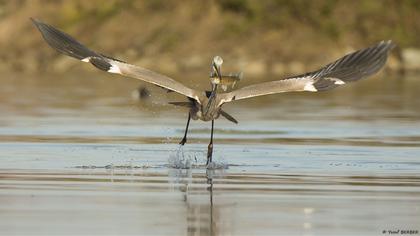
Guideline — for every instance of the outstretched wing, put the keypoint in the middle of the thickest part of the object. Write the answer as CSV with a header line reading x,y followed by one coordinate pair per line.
x,y
352,67
67,45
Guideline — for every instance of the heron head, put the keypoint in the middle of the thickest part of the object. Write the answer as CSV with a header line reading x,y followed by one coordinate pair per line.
x,y
216,65
217,61
216,74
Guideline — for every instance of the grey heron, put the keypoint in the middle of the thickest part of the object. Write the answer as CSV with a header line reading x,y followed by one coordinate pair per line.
x,y
207,105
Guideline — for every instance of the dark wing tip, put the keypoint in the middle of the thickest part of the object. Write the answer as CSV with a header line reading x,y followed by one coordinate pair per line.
x,y
35,21
63,42
359,64
38,24
387,45
390,43
384,46
41,26
100,63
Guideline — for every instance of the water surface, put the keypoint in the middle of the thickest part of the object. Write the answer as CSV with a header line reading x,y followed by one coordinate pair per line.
x,y
80,156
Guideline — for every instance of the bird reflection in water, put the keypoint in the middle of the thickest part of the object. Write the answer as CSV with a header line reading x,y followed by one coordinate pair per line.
x,y
209,176
203,212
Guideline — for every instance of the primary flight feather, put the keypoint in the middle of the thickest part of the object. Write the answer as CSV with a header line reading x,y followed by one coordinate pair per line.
x,y
207,105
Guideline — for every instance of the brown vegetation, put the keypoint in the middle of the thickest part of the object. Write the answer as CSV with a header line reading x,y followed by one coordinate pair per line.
x,y
259,37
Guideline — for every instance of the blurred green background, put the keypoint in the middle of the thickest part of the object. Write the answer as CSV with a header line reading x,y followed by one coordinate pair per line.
x,y
274,37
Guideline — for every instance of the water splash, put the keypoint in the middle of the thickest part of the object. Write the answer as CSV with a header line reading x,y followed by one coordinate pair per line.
x,y
181,160
219,165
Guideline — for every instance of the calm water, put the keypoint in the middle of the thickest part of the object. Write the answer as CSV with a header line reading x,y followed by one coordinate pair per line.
x,y
79,156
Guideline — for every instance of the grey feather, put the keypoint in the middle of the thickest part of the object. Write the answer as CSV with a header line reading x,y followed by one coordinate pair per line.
x,y
352,67
69,46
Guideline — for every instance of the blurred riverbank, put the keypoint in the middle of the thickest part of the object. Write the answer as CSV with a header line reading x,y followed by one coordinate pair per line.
x,y
274,38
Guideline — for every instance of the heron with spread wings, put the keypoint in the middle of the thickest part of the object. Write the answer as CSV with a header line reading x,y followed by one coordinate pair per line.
x,y
207,105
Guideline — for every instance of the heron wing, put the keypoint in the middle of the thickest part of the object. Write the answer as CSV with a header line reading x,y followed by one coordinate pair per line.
x,y
67,45
352,67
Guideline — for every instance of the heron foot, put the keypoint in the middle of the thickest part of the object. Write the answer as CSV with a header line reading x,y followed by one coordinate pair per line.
x,y
183,141
209,153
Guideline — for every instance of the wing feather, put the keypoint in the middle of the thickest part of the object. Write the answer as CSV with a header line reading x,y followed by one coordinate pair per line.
x,y
352,67
69,46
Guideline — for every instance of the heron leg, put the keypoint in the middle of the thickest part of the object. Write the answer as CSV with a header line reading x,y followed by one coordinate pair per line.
x,y
210,147
184,140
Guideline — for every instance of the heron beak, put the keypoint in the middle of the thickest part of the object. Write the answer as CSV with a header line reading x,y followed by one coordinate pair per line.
x,y
217,69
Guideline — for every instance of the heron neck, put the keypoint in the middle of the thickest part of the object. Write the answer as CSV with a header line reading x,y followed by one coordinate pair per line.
x,y
214,89
211,97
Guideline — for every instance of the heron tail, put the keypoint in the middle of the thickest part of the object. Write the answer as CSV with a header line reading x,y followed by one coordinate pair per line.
x,y
228,117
